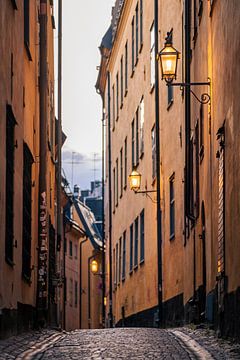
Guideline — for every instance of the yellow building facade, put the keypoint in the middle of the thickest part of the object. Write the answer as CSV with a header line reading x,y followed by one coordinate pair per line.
x,y
198,164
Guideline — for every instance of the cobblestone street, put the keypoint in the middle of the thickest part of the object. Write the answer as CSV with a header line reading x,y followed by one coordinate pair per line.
x,y
132,343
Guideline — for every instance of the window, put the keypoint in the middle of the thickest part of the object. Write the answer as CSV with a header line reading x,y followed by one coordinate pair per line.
x,y
14,4
169,96
197,200
65,245
136,23
133,45
137,137
117,182
121,172
114,268
195,20
70,248
114,189
26,22
131,249
120,260
126,67
124,256
172,207
191,192
142,127
154,168
27,212
71,293
136,243
141,22
201,135
76,294
142,236
117,279
9,202
133,144
121,84
152,55
117,95
76,251
125,163
113,106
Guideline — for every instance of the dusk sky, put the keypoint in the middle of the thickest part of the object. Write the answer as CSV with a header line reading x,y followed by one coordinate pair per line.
x,y
84,24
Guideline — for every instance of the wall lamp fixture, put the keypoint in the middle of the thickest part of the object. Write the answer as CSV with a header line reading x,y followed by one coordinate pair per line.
x,y
135,183
169,60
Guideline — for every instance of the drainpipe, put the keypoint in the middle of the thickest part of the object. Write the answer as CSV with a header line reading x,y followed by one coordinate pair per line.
x,y
159,220
103,221
110,204
59,158
42,278
80,284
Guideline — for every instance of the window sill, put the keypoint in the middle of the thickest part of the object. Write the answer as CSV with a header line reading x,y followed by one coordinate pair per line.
x,y
9,262
172,237
170,105
28,51
135,267
152,88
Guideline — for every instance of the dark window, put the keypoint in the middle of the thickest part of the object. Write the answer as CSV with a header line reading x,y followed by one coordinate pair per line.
x,y
114,268
113,106
142,127
126,67
197,200
124,256
131,249
9,202
170,96
70,248
125,163
133,45
137,32
120,260
65,245
141,22
201,135
114,189
117,280
14,4
27,28
117,95
27,212
11,76
121,84
117,182
137,136
154,169
136,243
142,243
191,194
76,294
172,206
121,172
133,144
195,19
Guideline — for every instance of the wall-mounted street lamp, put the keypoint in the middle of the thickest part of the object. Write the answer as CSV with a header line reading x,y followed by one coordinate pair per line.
x,y
169,60
135,183
94,267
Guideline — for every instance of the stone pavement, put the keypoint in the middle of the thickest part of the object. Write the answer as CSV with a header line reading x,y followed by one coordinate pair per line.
x,y
119,343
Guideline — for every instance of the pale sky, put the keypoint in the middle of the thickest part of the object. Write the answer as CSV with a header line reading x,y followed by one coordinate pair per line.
x,y
84,25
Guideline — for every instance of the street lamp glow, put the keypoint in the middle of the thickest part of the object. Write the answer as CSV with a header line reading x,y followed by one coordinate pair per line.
x,y
135,180
168,59
94,267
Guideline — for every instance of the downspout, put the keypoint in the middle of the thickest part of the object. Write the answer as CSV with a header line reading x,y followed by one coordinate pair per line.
x,y
80,284
42,277
59,158
110,204
159,220
103,220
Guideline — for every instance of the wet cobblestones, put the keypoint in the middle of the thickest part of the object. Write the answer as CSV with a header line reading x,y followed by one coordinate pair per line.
x,y
132,343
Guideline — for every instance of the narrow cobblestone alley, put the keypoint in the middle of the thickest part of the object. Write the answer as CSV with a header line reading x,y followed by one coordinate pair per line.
x,y
119,343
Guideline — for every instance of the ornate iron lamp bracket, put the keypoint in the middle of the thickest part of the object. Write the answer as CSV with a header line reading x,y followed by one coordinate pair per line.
x,y
204,99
